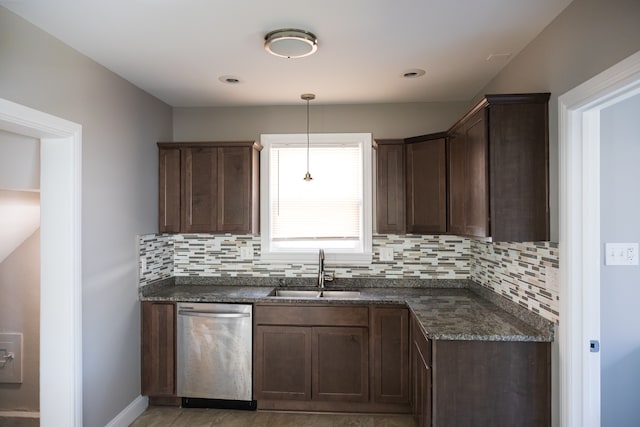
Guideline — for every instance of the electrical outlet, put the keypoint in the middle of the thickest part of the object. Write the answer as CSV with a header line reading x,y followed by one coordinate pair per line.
x,y
621,253
246,253
386,254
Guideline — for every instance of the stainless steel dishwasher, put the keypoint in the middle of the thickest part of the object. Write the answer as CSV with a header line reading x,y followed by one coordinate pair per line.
x,y
214,355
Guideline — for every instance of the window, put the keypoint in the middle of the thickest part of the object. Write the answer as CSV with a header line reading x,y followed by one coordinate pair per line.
x,y
332,212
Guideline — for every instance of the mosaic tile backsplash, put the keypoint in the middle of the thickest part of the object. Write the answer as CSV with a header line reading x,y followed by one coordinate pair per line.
x,y
523,272
526,273
422,257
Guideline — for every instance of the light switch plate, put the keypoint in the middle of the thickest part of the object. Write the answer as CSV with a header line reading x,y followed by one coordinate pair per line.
x,y
386,254
621,254
10,358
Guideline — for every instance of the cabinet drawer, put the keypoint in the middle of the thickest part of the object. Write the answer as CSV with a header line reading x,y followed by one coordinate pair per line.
x,y
309,315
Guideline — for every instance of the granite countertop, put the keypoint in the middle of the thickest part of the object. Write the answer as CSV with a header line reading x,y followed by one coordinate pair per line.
x,y
461,311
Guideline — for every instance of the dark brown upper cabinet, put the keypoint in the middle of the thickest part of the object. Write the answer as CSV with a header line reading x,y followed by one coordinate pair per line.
x,y
498,169
411,185
390,189
426,207
208,187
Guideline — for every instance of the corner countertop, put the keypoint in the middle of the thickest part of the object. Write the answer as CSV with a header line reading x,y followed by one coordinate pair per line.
x,y
446,310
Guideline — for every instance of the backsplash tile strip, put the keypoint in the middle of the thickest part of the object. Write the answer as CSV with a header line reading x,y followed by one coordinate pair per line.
x,y
415,256
158,252
526,273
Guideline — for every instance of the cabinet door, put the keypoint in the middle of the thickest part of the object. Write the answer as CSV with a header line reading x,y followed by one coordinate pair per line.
x,y
282,363
477,177
199,190
158,349
169,195
519,172
468,178
426,187
340,364
391,355
390,187
234,189
421,364
457,186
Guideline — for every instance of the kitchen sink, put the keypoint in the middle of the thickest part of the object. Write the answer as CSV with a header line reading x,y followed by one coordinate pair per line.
x,y
296,293
341,294
292,293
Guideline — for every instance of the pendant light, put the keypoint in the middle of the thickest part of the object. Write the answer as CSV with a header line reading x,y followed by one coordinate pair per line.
x,y
307,97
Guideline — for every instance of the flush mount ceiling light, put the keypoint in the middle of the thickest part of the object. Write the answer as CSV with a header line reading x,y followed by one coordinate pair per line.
x,y
290,43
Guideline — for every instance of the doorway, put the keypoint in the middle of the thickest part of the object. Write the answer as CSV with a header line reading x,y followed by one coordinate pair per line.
x,y
19,277
580,246
60,287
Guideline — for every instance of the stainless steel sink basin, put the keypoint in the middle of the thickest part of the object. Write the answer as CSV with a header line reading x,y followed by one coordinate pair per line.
x,y
341,294
296,293
307,293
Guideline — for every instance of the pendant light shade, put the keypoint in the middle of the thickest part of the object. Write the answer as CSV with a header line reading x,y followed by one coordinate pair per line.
x,y
308,97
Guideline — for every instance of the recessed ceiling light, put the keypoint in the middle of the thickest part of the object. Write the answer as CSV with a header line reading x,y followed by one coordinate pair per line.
x,y
413,73
290,43
232,80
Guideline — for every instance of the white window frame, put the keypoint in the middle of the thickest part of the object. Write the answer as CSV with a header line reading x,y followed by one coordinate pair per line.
x,y
311,256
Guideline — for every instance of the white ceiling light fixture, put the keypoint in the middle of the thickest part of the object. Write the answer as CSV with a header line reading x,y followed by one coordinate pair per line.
x,y
290,43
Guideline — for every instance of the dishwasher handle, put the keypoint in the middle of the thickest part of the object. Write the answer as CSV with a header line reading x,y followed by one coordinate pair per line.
x,y
214,314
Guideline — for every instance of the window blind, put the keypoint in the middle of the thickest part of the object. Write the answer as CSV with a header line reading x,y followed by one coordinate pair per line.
x,y
327,208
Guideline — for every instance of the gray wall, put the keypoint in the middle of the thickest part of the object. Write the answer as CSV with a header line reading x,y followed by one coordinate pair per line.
x,y
588,37
620,285
19,162
247,123
121,124
20,312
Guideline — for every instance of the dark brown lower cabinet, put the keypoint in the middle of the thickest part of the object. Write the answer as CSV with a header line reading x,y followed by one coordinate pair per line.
x,y
496,383
158,351
480,383
340,364
390,328
421,369
281,371
334,358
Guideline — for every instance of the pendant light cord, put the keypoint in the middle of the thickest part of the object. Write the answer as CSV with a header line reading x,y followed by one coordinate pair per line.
x,y
307,136
308,97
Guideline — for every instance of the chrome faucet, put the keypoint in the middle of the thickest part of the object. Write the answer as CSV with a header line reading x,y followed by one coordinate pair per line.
x,y
322,276
321,269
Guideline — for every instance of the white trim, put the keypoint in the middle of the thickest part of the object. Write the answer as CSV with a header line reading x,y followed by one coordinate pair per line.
x,y
61,267
335,257
579,160
129,414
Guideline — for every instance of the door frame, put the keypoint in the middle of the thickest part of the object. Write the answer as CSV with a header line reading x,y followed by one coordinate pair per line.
x,y
60,253
580,259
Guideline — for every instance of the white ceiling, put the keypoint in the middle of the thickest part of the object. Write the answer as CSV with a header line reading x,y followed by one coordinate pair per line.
x,y
178,49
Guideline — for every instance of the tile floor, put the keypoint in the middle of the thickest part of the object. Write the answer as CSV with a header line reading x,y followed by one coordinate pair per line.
x,y
164,417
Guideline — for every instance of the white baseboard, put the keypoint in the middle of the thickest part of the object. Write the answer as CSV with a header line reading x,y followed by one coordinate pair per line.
x,y
130,413
19,414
